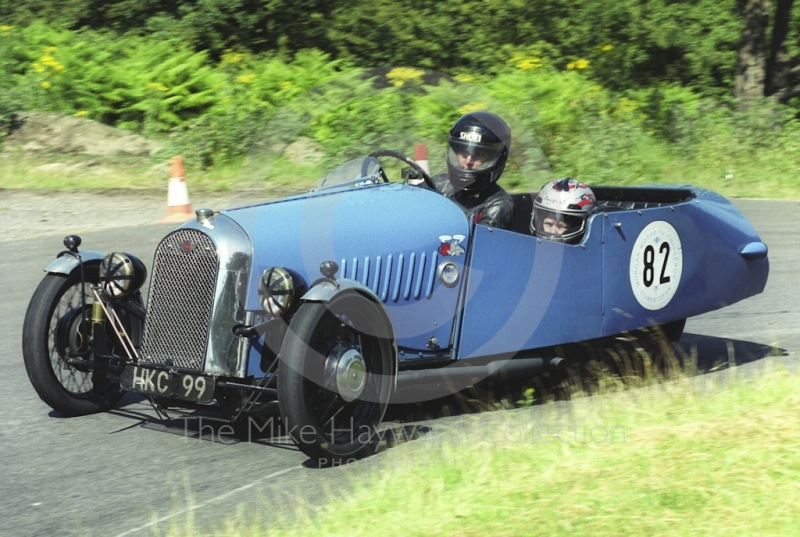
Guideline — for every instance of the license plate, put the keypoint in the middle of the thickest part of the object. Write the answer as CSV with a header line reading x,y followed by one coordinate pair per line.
x,y
168,384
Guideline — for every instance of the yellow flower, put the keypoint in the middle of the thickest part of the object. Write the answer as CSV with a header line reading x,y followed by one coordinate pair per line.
x,y
626,110
38,67
81,113
578,64
400,75
46,85
51,62
627,104
157,86
6,28
49,50
529,64
471,107
465,78
232,57
606,48
246,79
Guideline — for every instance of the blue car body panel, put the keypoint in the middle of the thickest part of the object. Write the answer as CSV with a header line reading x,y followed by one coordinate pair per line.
x,y
524,292
514,292
385,236
715,274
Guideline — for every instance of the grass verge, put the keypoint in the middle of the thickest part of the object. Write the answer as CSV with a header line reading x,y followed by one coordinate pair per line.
x,y
702,456
67,172
766,175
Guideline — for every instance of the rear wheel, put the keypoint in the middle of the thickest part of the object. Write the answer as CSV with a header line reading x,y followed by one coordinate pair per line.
x,y
57,348
335,377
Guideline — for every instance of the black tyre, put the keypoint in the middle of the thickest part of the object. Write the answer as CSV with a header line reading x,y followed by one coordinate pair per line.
x,y
55,341
335,377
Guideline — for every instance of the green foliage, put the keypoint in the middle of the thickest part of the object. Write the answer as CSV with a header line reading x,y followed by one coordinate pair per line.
x,y
622,44
170,89
211,25
391,120
565,119
627,43
252,89
132,83
528,398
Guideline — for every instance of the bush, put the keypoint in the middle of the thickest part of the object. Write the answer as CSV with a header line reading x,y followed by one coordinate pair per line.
x,y
563,121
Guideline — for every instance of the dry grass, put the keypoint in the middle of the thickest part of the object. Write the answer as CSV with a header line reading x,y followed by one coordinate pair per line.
x,y
679,455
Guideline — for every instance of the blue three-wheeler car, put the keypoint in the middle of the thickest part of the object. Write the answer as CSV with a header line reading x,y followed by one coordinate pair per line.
x,y
328,305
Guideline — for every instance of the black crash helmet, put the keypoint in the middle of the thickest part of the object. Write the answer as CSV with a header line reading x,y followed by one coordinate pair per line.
x,y
477,150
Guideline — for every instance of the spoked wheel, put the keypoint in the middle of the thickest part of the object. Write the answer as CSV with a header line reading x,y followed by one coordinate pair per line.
x,y
335,377
57,348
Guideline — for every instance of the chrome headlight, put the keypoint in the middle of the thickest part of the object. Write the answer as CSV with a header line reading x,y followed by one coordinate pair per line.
x,y
121,274
278,290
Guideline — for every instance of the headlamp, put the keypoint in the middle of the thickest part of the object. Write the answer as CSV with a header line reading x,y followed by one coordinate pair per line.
x,y
121,274
278,290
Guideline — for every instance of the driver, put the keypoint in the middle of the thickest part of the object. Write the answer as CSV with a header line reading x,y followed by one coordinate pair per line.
x,y
477,150
561,209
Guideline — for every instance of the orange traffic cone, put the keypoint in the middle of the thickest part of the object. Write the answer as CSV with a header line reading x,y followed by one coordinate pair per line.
x,y
421,157
178,208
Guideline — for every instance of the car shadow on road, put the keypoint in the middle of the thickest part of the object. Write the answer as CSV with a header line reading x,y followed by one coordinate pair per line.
x,y
714,353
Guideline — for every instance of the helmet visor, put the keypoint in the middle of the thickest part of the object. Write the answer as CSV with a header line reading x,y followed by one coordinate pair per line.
x,y
470,155
555,225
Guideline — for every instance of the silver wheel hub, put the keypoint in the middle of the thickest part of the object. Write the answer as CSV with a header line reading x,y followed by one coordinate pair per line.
x,y
351,375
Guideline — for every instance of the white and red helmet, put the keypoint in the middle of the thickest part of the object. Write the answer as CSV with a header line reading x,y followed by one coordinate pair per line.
x,y
561,209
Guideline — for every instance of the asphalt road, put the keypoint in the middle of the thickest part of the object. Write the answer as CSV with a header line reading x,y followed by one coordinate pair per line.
x,y
123,472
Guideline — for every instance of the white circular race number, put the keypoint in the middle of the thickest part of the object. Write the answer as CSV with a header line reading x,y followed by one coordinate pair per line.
x,y
656,265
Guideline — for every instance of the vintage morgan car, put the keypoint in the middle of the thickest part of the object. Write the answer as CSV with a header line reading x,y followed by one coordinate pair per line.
x,y
327,306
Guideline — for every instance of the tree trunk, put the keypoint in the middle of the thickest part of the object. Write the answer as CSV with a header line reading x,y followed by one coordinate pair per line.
x,y
750,69
778,65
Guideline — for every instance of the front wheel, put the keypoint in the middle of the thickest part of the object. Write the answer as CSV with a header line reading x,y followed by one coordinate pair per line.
x,y
335,377
57,350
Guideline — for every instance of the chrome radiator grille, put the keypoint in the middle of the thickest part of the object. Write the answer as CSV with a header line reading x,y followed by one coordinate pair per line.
x,y
181,300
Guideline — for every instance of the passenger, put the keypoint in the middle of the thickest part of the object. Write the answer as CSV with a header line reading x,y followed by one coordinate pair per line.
x,y
561,209
477,150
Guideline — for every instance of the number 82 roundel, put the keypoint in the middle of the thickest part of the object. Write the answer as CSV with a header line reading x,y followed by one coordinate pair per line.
x,y
656,265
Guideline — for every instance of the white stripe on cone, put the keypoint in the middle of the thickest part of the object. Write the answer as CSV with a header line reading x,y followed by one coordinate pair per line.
x,y
421,157
178,207
178,195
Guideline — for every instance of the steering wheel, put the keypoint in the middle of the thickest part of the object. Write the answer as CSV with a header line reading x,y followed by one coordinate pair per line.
x,y
410,162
